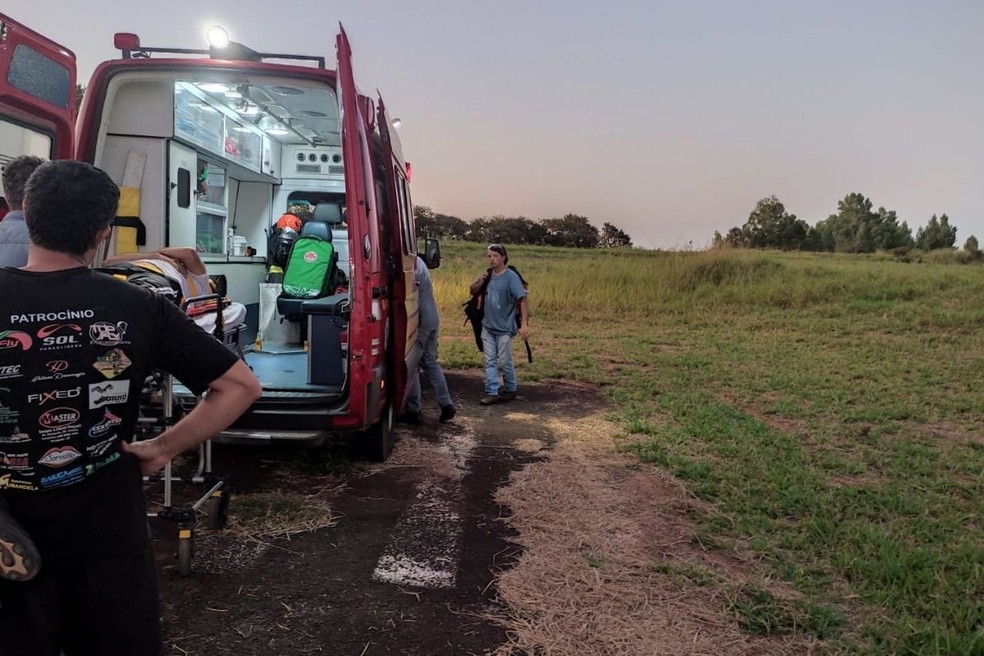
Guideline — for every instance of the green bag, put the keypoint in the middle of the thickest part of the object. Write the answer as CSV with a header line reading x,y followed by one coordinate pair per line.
x,y
309,268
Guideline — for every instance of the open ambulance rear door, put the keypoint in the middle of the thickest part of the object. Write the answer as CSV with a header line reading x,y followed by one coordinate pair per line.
x,y
37,94
367,332
401,247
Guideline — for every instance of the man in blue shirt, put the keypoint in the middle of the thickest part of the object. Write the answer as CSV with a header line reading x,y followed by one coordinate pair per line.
x,y
503,292
427,330
13,230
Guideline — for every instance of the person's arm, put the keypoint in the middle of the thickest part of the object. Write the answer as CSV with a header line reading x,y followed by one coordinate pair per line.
x,y
187,256
524,313
228,397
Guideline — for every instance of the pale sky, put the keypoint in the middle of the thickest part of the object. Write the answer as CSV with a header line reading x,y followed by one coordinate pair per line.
x,y
667,119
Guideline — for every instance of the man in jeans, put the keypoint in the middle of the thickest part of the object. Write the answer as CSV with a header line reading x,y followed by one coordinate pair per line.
x,y
427,330
503,292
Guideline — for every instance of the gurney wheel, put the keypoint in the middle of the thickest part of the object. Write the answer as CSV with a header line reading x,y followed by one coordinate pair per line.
x,y
217,510
186,551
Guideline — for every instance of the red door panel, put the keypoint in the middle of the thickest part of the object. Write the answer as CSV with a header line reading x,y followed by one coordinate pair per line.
x,y
37,91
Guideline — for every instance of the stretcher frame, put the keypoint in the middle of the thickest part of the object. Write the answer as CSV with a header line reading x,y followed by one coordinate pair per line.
x,y
215,500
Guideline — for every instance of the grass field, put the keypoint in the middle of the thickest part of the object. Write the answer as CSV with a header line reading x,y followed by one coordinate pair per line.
x,y
828,408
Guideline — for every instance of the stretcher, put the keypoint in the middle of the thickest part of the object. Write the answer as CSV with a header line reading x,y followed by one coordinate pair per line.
x,y
159,411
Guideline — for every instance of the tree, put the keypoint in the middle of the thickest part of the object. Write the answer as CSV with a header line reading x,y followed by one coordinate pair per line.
x,y
572,230
972,248
443,226
770,226
938,233
612,237
856,228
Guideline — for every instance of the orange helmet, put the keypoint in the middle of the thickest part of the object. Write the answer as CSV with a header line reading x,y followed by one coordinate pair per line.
x,y
289,221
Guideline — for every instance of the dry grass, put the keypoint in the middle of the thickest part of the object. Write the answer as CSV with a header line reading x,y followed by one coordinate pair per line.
x,y
610,564
259,522
268,515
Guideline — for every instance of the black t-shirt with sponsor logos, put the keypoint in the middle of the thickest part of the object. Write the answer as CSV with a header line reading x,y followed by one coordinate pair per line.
x,y
76,347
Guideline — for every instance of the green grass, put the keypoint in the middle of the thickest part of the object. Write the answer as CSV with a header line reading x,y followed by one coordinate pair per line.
x,y
829,406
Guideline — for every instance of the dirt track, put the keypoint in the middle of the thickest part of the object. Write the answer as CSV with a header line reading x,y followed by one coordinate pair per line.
x,y
424,556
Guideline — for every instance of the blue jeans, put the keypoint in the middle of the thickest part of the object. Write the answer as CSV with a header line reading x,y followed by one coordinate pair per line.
x,y
498,354
435,375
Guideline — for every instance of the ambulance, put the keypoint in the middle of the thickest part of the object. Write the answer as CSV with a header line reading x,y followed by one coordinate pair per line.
x,y
210,148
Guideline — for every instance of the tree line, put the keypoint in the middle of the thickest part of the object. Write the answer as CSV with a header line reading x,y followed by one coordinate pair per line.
x,y
856,228
570,230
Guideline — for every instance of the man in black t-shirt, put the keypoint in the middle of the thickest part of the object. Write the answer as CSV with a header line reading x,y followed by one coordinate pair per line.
x,y
75,348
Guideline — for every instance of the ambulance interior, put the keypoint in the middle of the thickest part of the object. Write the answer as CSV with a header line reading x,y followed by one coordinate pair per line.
x,y
218,157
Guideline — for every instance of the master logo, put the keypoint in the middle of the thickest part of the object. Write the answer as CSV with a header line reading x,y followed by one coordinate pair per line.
x,y
59,417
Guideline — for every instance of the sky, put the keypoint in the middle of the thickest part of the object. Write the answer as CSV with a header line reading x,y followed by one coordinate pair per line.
x,y
667,119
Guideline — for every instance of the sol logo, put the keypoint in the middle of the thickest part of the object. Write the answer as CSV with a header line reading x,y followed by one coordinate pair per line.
x,y
60,335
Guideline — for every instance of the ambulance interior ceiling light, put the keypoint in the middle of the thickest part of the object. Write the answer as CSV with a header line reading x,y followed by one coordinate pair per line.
x,y
215,87
247,108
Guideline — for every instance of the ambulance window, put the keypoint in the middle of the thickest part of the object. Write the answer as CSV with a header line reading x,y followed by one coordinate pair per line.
x,y
17,139
39,76
406,212
210,225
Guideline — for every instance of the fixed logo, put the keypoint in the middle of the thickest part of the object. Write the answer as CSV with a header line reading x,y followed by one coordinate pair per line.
x,y
53,395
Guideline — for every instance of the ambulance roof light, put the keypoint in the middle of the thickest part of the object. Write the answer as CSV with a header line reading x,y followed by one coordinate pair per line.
x,y
126,41
220,47
217,36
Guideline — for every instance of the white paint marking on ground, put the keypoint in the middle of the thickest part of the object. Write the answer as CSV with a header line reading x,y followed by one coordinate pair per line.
x,y
423,549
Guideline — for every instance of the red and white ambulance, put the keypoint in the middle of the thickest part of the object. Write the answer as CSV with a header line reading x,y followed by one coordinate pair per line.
x,y
210,147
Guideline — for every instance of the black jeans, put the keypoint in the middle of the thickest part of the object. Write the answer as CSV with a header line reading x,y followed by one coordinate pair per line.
x,y
107,608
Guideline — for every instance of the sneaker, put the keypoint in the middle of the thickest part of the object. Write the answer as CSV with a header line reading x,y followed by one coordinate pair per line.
x,y
489,399
19,558
506,395
447,413
412,418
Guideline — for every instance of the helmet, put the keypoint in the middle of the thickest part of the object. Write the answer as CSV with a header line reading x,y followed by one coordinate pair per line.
x,y
288,221
280,244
